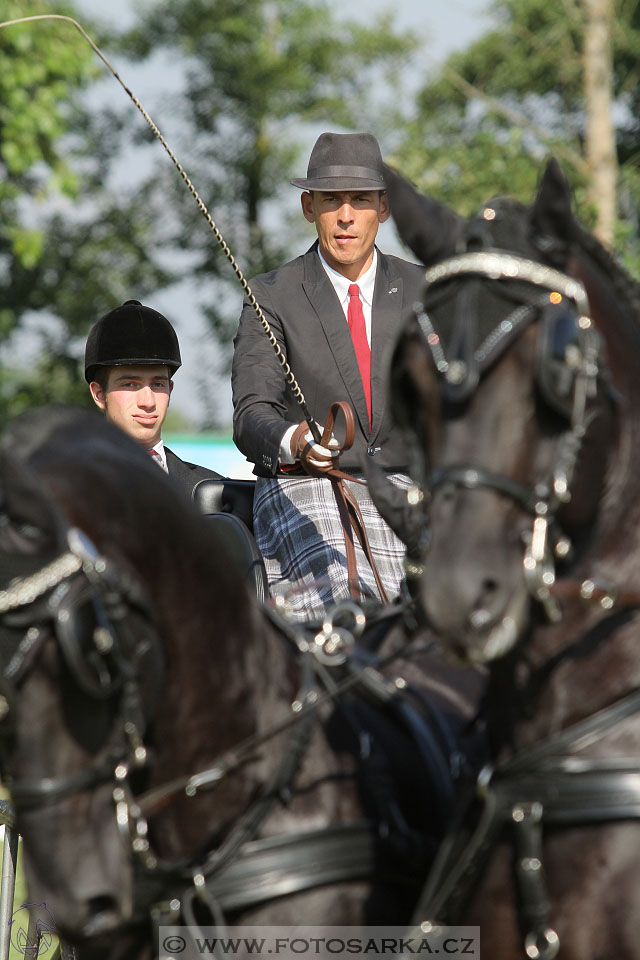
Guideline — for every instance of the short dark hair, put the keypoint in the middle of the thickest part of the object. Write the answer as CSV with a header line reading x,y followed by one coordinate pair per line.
x,y
101,376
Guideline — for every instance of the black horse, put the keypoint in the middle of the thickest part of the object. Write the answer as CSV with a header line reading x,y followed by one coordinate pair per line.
x,y
518,383
167,740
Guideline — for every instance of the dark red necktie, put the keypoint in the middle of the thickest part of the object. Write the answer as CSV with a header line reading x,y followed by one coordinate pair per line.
x,y
357,327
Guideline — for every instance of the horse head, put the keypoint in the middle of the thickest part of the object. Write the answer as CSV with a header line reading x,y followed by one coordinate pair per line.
x,y
81,672
132,658
138,673
516,380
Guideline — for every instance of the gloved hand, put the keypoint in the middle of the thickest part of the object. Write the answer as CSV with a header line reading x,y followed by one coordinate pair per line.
x,y
315,458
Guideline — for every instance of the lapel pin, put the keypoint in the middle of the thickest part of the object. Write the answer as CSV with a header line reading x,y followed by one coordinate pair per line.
x,y
393,290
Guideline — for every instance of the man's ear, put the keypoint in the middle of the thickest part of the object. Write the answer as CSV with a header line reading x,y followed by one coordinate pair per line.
x,y
170,387
385,209
97,394
306,201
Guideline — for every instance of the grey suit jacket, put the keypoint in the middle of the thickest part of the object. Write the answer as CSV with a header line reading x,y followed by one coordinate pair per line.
x,y
185,475
307,319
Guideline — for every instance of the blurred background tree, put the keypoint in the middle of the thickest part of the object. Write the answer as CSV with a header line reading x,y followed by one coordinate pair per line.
x,y
253,75
259,74
92,213
70,246
558,78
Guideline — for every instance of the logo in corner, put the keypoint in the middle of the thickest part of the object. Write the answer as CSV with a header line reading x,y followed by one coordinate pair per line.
x,y
45,925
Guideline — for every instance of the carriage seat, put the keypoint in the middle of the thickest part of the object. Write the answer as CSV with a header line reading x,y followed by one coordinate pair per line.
x,y
226,496
228,505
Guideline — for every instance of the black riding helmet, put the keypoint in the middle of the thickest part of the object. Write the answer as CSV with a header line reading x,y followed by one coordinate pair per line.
x,y
131,334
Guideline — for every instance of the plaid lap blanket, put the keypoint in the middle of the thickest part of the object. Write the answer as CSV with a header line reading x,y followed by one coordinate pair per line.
x,y
297,528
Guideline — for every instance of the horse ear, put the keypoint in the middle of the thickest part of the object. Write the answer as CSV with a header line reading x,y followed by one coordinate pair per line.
x,y
429,229
552,215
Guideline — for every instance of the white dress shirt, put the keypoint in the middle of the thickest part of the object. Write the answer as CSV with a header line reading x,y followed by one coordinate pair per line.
x,y
366,283
159,456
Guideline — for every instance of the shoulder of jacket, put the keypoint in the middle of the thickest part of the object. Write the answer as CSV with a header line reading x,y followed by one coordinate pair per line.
x,y
405,267
204,471
289,270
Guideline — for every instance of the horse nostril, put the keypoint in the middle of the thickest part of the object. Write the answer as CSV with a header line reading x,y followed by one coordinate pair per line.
x,y
482,615
102,916
100,905
489,587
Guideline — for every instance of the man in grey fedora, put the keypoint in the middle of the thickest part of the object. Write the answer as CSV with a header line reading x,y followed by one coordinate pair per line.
x,y
335,312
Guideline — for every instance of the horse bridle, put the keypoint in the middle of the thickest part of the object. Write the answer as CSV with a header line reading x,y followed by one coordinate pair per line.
x,y
49,598
232,875
110,667
544,500
546,781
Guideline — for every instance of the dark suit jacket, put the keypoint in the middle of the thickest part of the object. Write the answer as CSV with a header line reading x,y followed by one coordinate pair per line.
x,y
185,474
307,319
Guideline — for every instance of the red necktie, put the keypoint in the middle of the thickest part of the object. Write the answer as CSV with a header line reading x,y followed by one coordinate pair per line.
x,y
355,319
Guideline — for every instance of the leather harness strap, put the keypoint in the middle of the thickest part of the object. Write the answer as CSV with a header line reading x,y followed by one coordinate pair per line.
x,y
357,523
348,509
280,866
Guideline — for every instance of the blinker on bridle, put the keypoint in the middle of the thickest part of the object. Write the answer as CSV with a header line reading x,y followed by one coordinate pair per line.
x,y
460,377
101,670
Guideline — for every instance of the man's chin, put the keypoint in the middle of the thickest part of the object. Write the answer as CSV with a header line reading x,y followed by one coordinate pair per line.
x,y
146,437
346,255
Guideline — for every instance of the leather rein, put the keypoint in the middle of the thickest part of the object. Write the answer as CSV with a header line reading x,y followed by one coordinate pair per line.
x,y
348,509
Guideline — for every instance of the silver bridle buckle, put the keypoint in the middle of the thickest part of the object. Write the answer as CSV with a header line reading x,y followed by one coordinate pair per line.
x,y
332,645
539,569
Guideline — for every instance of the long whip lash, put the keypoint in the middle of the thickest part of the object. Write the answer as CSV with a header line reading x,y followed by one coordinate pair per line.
x,y
291,380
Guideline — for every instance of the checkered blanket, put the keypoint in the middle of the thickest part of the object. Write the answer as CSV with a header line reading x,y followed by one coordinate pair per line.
x,y
297,528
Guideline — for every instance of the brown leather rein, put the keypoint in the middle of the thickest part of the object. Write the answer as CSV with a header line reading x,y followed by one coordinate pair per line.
x,y
348,509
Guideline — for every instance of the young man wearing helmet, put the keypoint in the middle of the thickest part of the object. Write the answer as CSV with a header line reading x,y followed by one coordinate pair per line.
x,y
131,355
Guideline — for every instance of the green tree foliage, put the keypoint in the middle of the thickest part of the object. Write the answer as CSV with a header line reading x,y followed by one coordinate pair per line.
x,y
39,74
259,75
485,123
70,246
257,78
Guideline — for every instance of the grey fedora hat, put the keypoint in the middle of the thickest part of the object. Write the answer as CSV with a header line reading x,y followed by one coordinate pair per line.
x,y
344,161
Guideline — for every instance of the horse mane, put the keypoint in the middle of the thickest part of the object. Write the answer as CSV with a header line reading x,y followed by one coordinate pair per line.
x,y
625,287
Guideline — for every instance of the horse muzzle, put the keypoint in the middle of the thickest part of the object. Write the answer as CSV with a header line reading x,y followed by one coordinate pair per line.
x,y
479,611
